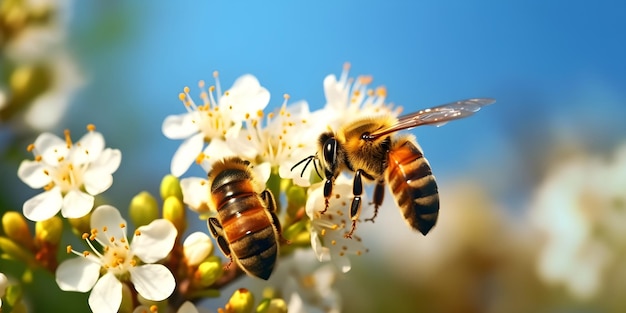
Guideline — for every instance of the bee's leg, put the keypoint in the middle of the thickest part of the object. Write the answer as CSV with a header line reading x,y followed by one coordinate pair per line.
x,y
270,204
328,190
355,207
218,233
379,194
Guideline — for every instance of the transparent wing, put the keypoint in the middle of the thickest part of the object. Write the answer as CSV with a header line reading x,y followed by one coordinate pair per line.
x,y
437,116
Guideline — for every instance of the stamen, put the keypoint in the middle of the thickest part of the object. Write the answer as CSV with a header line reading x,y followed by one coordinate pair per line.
x,y
30,147
381,91
68,249
68,139
200,158
38,158
137,233
91,127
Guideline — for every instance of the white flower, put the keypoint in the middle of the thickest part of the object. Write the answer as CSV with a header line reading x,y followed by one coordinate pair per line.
x,y
217,117
282,141
197,247
313,292
328,230
120,260
4,284
580,207
63,169
349,98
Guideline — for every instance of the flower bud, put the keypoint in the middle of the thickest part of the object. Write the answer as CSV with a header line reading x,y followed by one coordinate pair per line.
x,y
209,271
272,306
143,209
197,247
16,251
16,228
49,231
242,301
170,186
174,211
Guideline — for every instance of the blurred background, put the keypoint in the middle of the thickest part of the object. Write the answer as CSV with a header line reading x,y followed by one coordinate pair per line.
x,y
533,188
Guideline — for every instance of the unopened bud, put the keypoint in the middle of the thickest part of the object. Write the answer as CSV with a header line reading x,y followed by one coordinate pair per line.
x,y
209,271
170,186
197,247
143,209
16,228
49,231
174,211
242,301
276,305
16,251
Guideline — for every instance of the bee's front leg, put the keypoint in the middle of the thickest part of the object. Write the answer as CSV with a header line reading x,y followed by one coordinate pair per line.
x,y
355,206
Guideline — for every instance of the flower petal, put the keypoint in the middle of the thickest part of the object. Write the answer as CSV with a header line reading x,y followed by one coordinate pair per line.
x,y
97,181
33,174
88,148
109,217
195,193
78,274
50,147
76,204
186,154
109,160
154,241
197,247
179,126
44,205
216,150
153,281
245,96
106,296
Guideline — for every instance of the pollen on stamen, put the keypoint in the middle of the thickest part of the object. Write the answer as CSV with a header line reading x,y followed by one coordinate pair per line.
x,y
333,242
91,127
30,147
85,236
38,158
365,79
104,228
49,186
86,253
122,225
259,113
112,239
154,309
68,249
182,97
137,233
381,91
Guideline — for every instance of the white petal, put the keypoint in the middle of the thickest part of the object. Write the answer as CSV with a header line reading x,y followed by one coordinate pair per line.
x,y
78,274
109,217
109,160
195,192
44,205
88,148
51,147
262,173
97,181
32,173
179,126
197,247
76,204
322,253
155,241
342,262
153,281
245,96
216,150
187,307
186,154
106,296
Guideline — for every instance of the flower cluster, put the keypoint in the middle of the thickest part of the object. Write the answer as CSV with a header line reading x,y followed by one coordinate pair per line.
x,y
161,268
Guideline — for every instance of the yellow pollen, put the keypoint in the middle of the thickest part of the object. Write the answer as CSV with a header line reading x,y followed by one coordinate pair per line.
x,y
323,232
216,74
259,113
201,84
154,309
201,156
346,66
85,253
341,253
92,237
104,228
133,263
137,233
271,115
381,91
48,186
249,137
255,123
365,79
333,242
286,96
247,115
91,127
227,93
122,225
38,158
186,89
119,261
68,139
85,236
112,239
212,89
30,147
68,249
181,97
334,227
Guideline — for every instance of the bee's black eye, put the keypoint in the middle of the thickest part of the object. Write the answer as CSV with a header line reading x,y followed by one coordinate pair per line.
x,y
330,152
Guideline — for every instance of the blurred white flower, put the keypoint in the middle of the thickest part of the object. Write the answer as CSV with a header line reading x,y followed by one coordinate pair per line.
x,y
218,117
328,230
120,260
580,208
4,284
282,141
64,169
313,292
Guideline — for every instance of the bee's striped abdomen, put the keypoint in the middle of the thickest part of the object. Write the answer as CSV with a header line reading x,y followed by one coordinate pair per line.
x,y
413,184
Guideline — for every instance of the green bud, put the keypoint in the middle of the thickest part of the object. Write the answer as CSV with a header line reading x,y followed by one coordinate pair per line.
x,y
16,228
293,230
174,211
50,230
15,251
276,305
242,301
209,271
143,209
170,186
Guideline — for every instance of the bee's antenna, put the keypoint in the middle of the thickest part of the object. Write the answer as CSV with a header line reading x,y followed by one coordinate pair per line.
x,y
308,160
315,165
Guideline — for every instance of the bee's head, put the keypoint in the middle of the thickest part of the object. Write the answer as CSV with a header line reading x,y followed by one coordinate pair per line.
x,y
329,153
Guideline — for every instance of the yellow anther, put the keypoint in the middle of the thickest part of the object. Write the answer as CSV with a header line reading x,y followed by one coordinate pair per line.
x,y
212,89
286,96
49,186
46,172
333,242
68,139
123,240
249,137
85,236
30,147
154,309
182,97
92,237
201,156
270,115
365,79
381,91
38,158
216,74
259,113
341,253
104,228
68,249
344,248
112,239
137,233
133,263
86,253
122,225
323,232
201,83
186,89
91,127
370,92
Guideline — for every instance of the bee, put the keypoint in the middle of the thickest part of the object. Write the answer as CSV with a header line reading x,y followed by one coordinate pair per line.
x,y
371,149
246,227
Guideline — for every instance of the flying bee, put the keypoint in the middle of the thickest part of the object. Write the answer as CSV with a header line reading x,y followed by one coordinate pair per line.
x,y
246,227
371,149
